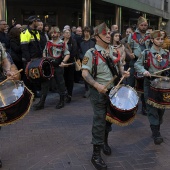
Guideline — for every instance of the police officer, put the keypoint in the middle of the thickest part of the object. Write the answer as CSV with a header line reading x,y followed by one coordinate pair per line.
x,y
138,41
58,52
5,69
147,67
97,70
30,47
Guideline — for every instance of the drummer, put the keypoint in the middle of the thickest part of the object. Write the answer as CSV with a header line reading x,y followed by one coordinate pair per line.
x,y
96,72
145,66
5,65
4,69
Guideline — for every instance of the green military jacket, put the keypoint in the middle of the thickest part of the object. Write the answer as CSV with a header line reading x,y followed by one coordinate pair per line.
x,y
103,72
155,64
138,43
56,51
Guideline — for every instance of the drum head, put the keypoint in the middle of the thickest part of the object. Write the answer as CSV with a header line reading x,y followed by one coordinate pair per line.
x,y
162,83
46,69
125,98
10,91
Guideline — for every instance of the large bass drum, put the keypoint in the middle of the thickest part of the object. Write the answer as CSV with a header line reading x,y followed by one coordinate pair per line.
x,y
39,69
159,93
123,105
15,101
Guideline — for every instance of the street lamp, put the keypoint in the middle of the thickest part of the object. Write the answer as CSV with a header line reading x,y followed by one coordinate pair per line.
x,y
163,24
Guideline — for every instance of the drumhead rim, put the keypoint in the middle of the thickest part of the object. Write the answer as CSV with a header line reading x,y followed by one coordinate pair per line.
x,y
6,106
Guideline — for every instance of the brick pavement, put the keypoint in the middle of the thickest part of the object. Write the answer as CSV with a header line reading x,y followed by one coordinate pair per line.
x,y
53,139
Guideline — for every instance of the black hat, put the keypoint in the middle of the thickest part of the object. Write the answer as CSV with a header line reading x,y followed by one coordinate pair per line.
x,y
33,18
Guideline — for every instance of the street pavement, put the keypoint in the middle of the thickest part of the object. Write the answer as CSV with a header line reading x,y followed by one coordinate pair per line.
x,y
52,139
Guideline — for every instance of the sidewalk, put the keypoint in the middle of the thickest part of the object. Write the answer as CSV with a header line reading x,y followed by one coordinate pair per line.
x,y
52,139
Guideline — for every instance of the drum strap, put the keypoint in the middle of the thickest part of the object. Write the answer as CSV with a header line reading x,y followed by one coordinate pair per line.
x,y
108,61
141,41
146,60
50,46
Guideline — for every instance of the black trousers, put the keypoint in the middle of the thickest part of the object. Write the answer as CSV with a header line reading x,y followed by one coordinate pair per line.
x,y
69,79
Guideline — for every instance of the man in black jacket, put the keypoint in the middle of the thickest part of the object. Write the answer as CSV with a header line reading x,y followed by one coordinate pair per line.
x,y
3,36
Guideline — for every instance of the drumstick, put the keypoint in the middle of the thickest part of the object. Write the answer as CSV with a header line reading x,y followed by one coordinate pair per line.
x,y
162,70
110,81
152,75
11,76
121,79
68,64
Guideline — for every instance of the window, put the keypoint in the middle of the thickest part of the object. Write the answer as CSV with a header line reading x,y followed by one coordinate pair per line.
x,y
166,5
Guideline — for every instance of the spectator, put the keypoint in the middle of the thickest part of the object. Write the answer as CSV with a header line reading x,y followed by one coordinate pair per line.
x,y
46,30
124,42
85,45
166,44
118,46
78,38
3,36
15,51
69,71
43,38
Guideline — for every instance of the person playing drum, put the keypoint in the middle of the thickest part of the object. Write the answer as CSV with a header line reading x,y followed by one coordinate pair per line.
x,y
57,51
151,61
137,42
5,69
99,65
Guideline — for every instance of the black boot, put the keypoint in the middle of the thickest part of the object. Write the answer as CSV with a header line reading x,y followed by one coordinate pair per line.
x,y
156,134
0,164
61,102
68,99
96,159
40,104
106,148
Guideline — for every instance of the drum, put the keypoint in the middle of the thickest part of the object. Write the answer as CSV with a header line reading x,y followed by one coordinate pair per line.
x,y
139,81
123,105
39,69
159,93
15,101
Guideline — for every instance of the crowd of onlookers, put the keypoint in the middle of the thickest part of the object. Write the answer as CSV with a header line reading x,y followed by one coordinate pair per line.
x,y
78,39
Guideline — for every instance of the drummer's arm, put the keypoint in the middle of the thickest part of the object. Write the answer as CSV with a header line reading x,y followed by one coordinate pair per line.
x,y
123,72
7,67
139,65
65,59
89,79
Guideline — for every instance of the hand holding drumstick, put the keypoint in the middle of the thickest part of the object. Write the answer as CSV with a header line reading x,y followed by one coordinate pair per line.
x,y
103,88
11,76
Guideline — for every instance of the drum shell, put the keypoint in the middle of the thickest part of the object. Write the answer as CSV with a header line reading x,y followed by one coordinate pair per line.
x,y
139,84
122,116
119,111
37,65
158,97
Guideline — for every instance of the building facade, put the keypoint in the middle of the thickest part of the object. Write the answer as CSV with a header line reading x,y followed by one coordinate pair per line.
x,y
124,13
